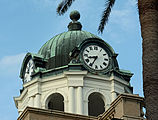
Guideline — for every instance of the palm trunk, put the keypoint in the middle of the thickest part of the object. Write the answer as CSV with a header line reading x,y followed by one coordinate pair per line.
x,y
148,15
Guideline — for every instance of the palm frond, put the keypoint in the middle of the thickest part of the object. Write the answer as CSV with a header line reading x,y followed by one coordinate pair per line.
x,y
105,15
63,6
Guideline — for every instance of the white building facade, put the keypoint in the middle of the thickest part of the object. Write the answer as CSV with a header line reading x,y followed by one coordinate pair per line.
x,y
63,76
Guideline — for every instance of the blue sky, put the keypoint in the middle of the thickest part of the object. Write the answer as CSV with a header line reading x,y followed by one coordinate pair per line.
x,y
25,25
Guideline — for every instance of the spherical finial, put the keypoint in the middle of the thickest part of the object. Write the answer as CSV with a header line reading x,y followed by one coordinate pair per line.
x,y
74,15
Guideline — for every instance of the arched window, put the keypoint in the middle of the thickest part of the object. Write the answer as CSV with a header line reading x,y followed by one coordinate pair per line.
x,y
96,104
55,102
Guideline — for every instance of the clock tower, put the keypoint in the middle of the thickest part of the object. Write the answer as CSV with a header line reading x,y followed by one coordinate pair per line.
x,y
75,72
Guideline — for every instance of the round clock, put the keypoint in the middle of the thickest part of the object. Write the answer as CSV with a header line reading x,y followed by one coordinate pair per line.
x,y
28,71
95,57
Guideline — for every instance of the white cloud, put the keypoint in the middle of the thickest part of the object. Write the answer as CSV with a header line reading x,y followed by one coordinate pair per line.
x,y
123,18
11,60
11,63
126,17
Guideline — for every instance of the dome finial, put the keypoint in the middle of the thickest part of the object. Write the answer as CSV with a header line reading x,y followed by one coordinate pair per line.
x,y
74,15
74,25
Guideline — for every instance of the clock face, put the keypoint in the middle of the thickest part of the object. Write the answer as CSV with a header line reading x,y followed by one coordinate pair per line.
x,y
95,57
29,70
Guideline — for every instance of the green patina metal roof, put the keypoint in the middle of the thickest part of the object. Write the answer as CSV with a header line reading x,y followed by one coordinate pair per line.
x,y
64,42
58,48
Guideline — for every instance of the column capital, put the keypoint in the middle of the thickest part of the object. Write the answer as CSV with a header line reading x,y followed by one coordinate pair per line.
x,y
75,78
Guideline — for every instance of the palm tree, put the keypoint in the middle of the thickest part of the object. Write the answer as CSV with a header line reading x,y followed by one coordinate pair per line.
x,y
65,4
148,14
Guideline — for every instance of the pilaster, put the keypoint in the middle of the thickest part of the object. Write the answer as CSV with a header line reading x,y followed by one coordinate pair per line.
x,y
71,100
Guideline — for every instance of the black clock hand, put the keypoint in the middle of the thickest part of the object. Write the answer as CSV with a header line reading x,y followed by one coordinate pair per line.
x,y
95,58
27,69
92,57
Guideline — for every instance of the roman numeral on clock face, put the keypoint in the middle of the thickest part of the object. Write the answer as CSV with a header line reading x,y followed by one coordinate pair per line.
x,y
105,59
90,48
104,63
87,51
95,48
87,60
90,64
86,55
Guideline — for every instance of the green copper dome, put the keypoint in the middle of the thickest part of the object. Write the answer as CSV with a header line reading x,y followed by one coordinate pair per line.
x,y
57,49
